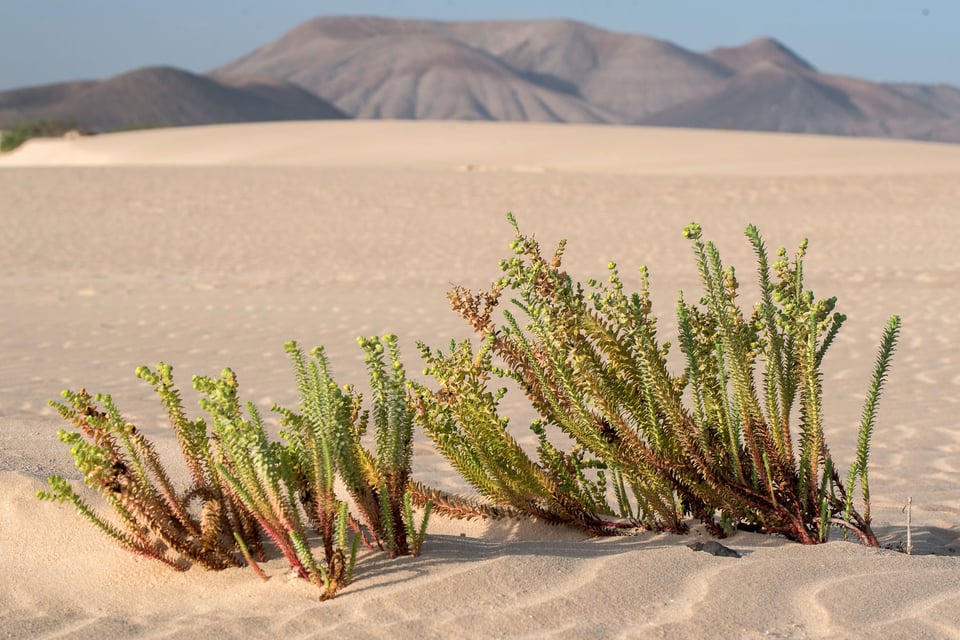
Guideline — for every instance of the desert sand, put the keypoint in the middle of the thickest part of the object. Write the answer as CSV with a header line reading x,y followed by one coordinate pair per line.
x,y
212,246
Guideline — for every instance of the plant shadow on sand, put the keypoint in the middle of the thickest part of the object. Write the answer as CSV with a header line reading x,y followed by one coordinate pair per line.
x,y
522,538
514,538
926,540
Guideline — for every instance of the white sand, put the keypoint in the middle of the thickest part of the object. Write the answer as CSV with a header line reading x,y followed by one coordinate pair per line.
x,y
212,246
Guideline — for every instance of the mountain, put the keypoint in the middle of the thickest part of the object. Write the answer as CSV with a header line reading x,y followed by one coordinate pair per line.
x,y
565,71
782,95
769,97
163,96
547,71
553,70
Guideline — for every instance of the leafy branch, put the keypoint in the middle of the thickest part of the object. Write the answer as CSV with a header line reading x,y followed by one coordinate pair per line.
x,y
650,446
245,489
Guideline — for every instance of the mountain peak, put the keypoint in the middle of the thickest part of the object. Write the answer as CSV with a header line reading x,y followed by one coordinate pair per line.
x,y
759,50
164,96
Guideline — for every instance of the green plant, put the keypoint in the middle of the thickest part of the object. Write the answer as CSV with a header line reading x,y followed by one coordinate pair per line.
x,y
650,446
243,486
463,420
119,463
328,433
769,475
16,135
261,475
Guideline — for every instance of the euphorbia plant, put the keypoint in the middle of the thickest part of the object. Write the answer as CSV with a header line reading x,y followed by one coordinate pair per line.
x,y
651,445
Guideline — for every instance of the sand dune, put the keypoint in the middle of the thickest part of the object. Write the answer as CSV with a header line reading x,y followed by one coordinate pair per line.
x,y
210,247
485,146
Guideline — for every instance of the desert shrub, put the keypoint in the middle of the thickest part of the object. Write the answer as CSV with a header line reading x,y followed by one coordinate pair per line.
x,y
328,433
651,446
16,135
122,465
245,488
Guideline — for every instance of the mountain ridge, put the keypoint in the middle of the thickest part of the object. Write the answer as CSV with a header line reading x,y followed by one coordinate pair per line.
x,y
163,96
537,70
588,74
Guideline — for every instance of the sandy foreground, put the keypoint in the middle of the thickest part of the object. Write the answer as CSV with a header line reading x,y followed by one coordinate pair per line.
x,y
212,246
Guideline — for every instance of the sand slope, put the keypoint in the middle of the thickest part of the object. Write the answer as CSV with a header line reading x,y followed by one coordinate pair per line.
x,y
211,247
494,146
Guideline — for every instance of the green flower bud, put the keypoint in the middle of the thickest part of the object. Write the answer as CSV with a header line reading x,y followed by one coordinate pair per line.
x,y
692,231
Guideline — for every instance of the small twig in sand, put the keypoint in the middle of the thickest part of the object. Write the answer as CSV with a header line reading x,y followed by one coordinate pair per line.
x,y
909,509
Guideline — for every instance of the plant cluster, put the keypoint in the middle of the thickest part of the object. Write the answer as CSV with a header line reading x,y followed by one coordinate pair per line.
x,y
246,489
16,135
651,447
735,439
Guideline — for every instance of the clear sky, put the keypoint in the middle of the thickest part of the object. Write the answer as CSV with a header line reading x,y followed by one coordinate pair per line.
x,y
43,41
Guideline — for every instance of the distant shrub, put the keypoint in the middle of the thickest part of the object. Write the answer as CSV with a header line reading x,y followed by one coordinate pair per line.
x,y
16,135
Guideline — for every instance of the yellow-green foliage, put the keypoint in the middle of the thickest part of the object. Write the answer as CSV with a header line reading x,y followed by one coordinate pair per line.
x,y
16,135
243,486
326,435
651,445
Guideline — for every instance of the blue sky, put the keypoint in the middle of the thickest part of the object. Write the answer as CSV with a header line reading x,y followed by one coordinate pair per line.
x,y
43,41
